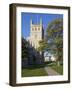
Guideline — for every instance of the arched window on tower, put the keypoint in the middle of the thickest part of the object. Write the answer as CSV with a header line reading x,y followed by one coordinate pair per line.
x,y
32,29
38,28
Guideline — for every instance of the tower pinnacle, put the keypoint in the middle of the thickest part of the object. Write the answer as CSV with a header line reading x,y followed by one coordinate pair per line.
x,y
40,20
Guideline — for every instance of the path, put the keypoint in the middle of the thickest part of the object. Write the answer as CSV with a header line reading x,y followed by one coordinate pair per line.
x,y
50,71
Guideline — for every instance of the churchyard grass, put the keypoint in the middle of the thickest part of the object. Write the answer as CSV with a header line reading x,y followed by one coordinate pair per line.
x,y
34,70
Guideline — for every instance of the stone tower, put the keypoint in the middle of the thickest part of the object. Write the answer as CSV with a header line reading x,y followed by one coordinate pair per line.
x,y
36,33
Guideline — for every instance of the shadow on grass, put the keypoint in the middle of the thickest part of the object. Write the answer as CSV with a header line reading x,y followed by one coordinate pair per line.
x,y
35,66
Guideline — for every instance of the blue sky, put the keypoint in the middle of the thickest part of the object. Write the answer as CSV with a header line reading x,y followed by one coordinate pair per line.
x,y
46,19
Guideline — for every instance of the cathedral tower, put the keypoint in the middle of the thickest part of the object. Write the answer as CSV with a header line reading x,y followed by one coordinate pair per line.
x,y
36,33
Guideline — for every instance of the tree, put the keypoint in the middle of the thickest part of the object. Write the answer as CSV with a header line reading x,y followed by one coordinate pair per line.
x,y
24,48
55,37
43,45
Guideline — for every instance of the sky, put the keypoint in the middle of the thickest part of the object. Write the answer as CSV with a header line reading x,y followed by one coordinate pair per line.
x,y
46,19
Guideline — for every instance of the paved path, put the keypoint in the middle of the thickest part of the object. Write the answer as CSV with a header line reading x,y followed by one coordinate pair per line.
x,y
50,71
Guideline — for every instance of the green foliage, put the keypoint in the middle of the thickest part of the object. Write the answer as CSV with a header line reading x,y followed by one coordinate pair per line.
x,y
55,28
55,35
24,48
42,45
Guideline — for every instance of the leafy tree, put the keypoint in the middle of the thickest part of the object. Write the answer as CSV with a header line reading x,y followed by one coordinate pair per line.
x,y
55,37
24,48
42,45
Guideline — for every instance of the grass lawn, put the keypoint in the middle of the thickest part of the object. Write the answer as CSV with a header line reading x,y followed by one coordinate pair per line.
x,y
38,70
57,68
34,70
